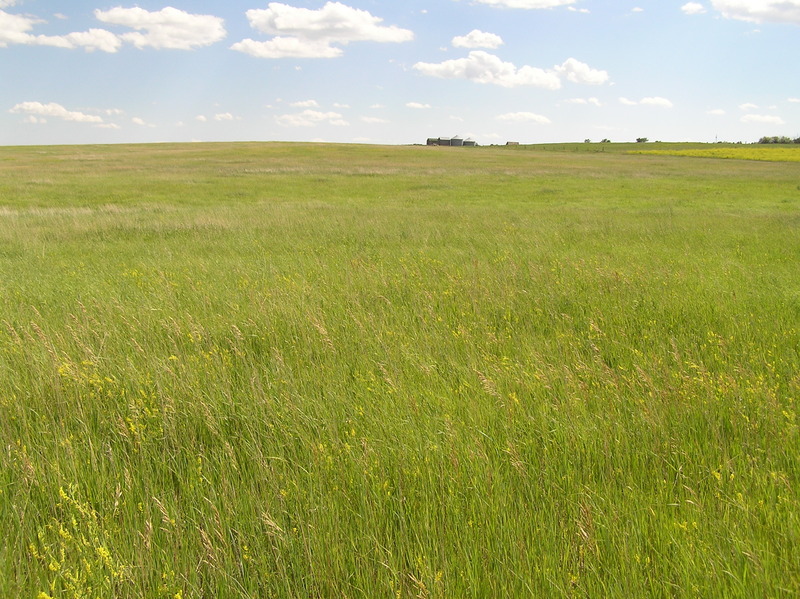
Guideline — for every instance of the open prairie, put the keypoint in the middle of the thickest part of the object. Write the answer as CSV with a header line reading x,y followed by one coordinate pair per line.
x,y
296,370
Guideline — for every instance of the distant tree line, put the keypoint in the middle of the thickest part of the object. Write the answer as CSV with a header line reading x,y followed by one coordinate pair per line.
x,y
779,140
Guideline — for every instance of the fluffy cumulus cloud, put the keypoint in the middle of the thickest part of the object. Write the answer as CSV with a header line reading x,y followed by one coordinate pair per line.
x,y
528,4
287,47
17,29
14,29
524,117
168,28
478,39
306,33
417,105
656,101
585,101
94,39
483,67
650,101
37,110
693,8
311,118
763,119
579,72
760,11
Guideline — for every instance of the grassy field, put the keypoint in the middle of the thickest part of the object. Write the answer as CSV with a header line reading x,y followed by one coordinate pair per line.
x,y
289,370
775,153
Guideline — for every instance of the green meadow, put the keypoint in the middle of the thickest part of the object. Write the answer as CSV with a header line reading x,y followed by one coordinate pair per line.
x,y
340,371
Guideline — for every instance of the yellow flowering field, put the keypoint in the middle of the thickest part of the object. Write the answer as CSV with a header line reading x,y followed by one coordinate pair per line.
x,y
746,152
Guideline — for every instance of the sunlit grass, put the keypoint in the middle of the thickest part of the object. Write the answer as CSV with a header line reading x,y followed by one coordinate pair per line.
x,y
339,371
749,152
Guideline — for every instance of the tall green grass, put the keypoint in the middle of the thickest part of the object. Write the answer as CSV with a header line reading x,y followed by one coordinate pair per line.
x,y
288,370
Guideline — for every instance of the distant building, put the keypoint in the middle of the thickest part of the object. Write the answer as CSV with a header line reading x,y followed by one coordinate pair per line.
x,y
451,141
512,143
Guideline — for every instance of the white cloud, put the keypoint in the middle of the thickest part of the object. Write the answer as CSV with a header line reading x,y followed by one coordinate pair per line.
x,y
7,3
417,105
794,100
15,29
580,72
524,117
333,22
483,67
225,116
305,33
651,101
138,121
693,8
637,9
201,118
311,118
748,106
478,39
765,119
54,110
716,112
337,105
584,11
760,11
529,4
168,28
305,104
287,47
660,102
94,39
584,101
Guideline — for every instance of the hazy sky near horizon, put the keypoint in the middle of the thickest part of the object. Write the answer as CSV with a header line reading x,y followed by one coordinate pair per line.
x,y
381,71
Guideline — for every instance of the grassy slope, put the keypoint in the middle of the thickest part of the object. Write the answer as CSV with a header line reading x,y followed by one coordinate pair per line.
x,y
294,370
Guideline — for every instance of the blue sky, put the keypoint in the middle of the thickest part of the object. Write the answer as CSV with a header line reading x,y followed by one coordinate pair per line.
x,y
396,72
